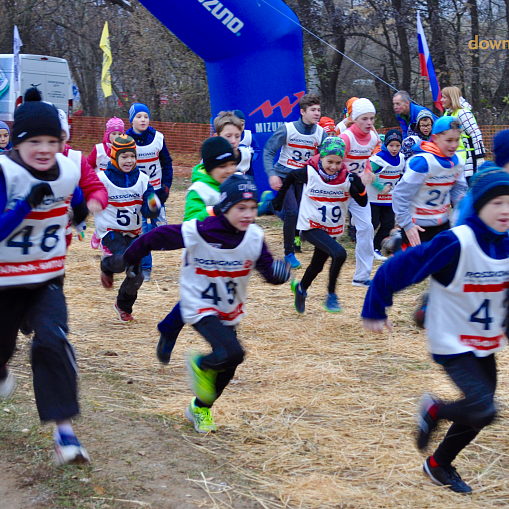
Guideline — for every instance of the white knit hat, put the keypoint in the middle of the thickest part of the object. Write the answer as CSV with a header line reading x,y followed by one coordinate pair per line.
x,y
64,123
362,106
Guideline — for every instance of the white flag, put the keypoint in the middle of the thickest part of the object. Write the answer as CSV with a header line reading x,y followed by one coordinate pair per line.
x,y
17,46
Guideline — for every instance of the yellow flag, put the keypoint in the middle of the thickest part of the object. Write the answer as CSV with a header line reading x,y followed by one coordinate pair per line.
x,y
107,60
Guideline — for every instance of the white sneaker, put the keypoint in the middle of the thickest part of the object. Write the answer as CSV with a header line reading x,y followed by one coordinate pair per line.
x,y
69,451
363,284
7,386
379,256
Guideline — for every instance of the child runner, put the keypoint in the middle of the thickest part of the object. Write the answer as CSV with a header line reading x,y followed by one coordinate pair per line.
x,y
99,158
249,149
229,126
95,193
36,184
220,253
154,160
5,135
328,125
322,212
433,179
360,141
347,121
131,197
387,166
219,162
298,142
420,130
469,268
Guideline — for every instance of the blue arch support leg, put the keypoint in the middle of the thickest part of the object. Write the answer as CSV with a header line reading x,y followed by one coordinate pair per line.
x,y
253,57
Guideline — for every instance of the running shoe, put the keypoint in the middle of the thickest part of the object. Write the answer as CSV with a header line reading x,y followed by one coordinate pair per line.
x,y
300,297
446,476
201,418
202,381
331,304
290,258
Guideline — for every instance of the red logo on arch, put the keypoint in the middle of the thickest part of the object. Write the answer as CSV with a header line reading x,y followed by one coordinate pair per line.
x,y
284,105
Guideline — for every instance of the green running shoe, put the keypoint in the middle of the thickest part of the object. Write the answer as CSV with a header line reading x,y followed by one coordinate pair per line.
x,y
202,382
201,418
300,297
298,244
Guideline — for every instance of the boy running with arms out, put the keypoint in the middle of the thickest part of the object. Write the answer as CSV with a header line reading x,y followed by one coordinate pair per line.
x,y
131,197
220,253
465,318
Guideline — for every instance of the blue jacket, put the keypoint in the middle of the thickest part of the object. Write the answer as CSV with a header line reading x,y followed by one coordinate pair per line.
x,y
146,138
414,111
121,179
438,258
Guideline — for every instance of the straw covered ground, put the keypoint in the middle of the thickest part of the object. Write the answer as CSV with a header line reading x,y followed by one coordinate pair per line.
x,y
320,414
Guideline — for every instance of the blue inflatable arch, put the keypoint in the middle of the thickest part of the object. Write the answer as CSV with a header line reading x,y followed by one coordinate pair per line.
x,y
253,57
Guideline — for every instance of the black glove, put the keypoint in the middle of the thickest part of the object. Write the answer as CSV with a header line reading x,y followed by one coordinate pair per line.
x,y
37,194
281,271
356,183
132,271
163,194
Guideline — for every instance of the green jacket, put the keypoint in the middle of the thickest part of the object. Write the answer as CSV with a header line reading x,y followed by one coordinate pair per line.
x,y
203,192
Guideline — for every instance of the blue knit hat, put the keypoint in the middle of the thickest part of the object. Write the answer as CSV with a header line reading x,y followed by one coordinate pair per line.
x,y
444,124
235,188
501,147
137,108
239,114
489,184
393,135
3,125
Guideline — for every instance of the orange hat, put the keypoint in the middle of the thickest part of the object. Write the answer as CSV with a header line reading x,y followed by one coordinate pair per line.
x,y
328,125
349,105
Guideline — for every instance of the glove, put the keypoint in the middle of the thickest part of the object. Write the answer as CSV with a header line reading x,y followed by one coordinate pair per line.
x,y
281,271
154,203
37,194
80,230
163,194
132,271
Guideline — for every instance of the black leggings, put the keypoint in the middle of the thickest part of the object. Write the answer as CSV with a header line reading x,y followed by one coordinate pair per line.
x,y
52,356
325,246
383,216
227,352
476,377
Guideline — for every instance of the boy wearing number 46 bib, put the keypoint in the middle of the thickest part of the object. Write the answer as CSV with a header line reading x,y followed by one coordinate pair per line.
x,y
155,161
323,208
131,197
465,318
220,253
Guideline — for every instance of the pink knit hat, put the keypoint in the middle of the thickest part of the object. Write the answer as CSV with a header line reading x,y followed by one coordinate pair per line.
x,y
113,124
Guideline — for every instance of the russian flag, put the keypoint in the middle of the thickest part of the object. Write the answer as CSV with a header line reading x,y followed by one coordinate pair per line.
x,y
427,69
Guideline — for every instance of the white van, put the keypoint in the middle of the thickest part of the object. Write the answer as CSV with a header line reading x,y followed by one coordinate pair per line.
x,y
50,75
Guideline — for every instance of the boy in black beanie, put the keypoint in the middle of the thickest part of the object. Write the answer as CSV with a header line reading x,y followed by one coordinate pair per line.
x,y
221,252
36,183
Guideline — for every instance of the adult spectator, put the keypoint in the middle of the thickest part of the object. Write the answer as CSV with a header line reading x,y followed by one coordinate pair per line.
x,y
406,110
471,148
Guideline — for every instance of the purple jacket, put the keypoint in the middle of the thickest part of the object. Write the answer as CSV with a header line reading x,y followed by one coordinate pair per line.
x,y
214,230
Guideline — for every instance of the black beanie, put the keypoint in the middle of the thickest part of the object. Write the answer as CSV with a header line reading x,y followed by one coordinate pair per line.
x,y
35,119
488,184
216,151
393,135
235,188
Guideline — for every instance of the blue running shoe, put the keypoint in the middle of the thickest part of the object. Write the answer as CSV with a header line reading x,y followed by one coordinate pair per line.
x,y
290,258
331,304
300,297
69,451
265,205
